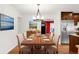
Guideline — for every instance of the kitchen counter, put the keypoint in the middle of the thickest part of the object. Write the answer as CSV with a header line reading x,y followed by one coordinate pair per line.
x,y
75,35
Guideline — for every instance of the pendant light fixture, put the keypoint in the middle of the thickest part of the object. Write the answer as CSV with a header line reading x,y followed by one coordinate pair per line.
x,y
38,14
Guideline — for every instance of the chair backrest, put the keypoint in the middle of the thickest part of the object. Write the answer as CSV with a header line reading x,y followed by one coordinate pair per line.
x,y
24,36
18,41
30,33
51,35
20,38
57,41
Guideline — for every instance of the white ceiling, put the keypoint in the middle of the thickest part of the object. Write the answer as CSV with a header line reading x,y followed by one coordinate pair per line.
x,y
46,8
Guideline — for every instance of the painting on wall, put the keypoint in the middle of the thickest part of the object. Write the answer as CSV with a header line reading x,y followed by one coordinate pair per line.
x,y
6,22
32,25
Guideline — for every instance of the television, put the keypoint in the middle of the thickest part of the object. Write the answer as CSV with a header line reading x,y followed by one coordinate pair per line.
x,y
6,22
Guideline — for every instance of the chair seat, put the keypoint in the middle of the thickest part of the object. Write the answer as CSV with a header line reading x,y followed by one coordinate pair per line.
x,y
22,46
51,50
54,46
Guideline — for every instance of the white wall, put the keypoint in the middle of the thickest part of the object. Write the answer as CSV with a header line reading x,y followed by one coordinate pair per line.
x,y
24,23
57,24
8,37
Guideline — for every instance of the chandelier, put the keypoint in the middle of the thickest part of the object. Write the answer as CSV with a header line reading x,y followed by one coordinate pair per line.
x,y
38,14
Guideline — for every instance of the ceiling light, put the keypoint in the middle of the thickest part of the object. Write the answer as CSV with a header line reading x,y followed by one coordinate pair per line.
x,y
38,16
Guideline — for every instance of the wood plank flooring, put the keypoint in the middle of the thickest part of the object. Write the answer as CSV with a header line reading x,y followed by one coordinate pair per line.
x,y
63,49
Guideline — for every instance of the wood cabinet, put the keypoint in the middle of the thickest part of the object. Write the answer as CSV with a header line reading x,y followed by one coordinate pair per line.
x,y
66,15
76,18
73,41
70,16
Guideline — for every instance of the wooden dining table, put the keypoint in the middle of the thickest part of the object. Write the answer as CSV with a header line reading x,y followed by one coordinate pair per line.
x,y
37,40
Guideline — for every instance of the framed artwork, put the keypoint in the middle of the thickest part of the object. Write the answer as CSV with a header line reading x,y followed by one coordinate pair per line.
x,y
32,25
6,22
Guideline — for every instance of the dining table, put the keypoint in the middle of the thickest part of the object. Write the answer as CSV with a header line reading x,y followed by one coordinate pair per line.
x,y
37,41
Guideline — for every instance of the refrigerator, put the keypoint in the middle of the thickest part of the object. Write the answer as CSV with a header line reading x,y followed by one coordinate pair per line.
x,y
67,28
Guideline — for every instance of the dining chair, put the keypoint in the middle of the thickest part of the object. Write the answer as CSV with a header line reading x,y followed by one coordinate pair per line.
x,y
51,36
45,38
29,38
22,48
24,36
54,48
37,49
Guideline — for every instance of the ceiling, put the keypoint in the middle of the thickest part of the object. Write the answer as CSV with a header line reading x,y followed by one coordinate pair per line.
x,y
45,8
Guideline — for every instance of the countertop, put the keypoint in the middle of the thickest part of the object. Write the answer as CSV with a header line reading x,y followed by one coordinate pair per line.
x,y
75,35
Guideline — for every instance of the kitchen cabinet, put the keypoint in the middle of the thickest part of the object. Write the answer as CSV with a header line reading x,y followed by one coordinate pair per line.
x,y
70,16
66,15
76,18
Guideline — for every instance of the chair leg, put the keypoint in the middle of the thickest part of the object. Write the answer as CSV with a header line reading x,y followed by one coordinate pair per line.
x,y
47,52
20,52
56,52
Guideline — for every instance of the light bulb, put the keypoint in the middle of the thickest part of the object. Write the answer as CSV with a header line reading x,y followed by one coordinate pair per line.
x,y
34,17
42,17
38,17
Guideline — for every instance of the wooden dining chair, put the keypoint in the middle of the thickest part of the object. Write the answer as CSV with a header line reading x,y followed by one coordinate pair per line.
x,y
51,36
22,48
29,38
54,48
24,36
37,49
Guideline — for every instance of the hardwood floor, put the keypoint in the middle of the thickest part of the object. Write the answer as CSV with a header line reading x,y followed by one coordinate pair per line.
x,y
63,49
14,51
